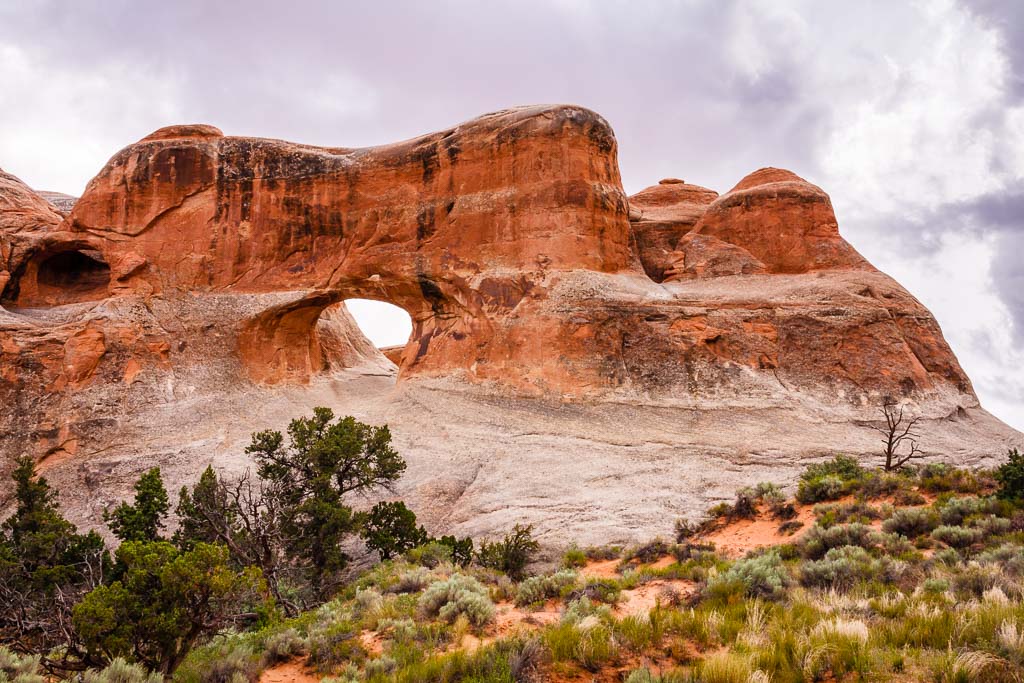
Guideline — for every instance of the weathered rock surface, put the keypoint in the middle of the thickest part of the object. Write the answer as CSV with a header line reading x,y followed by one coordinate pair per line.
x,y
570,347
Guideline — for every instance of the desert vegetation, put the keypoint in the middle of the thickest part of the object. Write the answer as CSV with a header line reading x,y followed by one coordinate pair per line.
x,y
913,573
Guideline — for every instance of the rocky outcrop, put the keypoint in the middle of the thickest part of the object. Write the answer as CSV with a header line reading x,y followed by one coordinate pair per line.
x,y
194,293
660,216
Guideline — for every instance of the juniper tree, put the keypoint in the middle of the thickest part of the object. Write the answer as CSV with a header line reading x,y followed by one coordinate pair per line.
x,y
45,567
142,520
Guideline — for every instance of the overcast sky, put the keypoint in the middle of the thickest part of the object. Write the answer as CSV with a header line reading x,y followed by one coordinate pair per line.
x,y
910,114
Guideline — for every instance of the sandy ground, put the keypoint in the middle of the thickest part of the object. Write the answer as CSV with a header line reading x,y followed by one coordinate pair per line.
x,y
294,671
738,538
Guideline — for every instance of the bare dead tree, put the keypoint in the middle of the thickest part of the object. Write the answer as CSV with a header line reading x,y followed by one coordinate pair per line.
x,y
897,431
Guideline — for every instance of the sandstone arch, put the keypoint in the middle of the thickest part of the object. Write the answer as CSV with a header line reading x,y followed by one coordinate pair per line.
x,y
451,227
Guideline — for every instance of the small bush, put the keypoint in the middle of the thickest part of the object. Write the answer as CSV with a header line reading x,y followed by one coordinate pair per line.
x,y
581,608
841,568
791,527
830,479
459,594
332,639
430,554
413,580
511,554
724,667
842,466
940,477
601,590
118,671
649,552
1010,476
762,576
540,588
957,536
574,558
991,525
905,498
911,522
745,506
819,541
833,513
828,487
461,549
228,659
603,552
719,510
594,648
956,511
21,668
684,530
382,666
283,646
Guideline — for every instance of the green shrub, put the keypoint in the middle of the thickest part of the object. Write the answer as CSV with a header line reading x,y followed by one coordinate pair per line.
x,y
17,668
904,498
574,558
382,666
684,530
1010,476
940,477
719,510
579,609
511,554
673,676
990,525
818,541
911,522
540,588
461,549
118,671
956,511
282,646
412,581
603,552
1009,557
841,568
333,640
879,484
458,594
724,667
745,506
390,529
817,489
601,590
957,536
762,576
430,554
649,552
828,480
594,648
831,514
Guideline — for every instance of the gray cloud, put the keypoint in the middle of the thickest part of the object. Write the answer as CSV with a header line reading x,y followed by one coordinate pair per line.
x,y
1008,17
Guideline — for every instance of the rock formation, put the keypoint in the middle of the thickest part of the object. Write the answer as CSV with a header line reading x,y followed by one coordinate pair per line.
x,y
201,274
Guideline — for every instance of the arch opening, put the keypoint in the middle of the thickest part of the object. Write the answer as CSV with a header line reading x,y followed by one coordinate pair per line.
x,y
362,332
320,335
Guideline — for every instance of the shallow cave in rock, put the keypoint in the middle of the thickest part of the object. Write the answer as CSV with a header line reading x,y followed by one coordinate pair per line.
x,y
74,271
61,277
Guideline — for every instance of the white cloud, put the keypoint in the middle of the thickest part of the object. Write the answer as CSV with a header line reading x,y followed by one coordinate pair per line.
x,y
60,125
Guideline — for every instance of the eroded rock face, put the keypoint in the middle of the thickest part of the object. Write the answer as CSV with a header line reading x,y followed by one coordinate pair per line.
x,y
202,275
